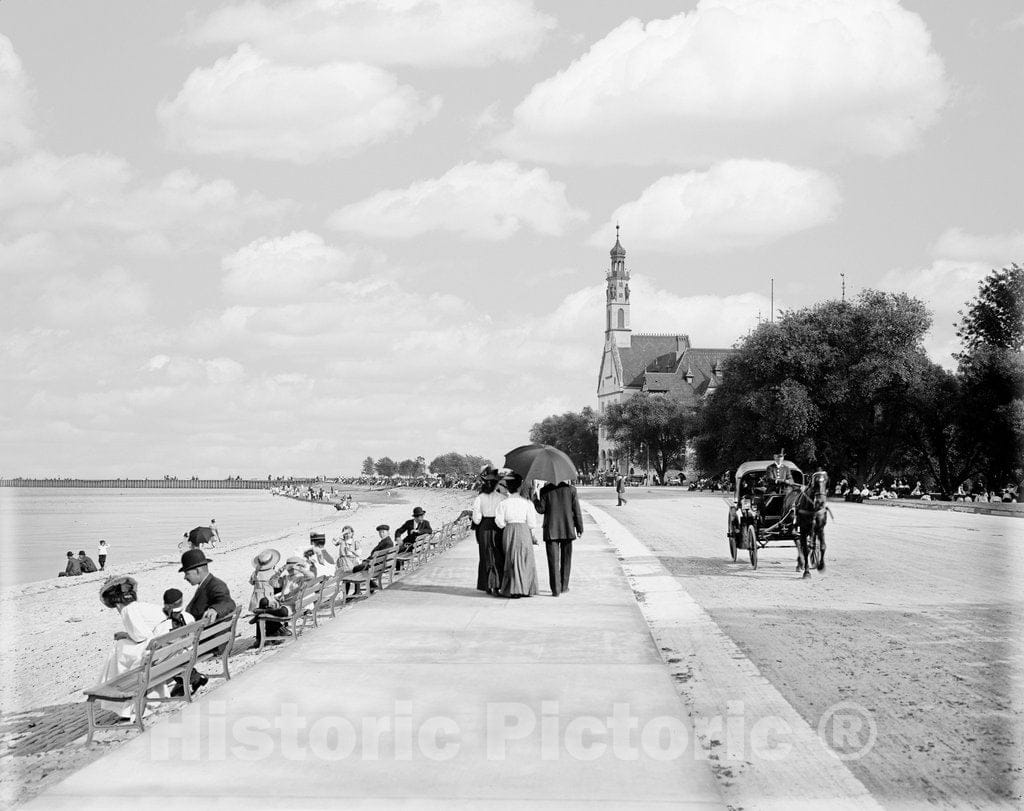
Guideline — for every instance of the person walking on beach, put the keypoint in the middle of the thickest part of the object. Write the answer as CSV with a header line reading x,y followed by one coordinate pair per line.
x,y
620,489
518,520
563,523
491,566
101,554
212,598
216,532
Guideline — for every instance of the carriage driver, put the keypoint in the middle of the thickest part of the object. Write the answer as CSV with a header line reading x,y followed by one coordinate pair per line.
x,y
778,473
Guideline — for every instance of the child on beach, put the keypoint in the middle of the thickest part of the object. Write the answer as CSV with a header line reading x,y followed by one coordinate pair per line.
x,y
173,599
265,580
101,554
348,549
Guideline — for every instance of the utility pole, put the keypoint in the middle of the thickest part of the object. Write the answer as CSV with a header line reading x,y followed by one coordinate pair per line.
x,y
843,277
772,317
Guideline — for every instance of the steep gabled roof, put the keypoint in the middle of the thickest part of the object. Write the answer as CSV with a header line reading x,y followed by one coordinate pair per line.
x,y
642,351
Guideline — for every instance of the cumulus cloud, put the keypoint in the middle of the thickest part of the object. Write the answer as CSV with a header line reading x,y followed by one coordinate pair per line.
x,y
293,268
15,101
98,192
740,77
1000,249
112,296
422,33
734,204
481,200
248,106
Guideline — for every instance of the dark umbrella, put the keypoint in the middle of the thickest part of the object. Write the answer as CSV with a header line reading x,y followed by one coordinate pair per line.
x,y
200,535
545,462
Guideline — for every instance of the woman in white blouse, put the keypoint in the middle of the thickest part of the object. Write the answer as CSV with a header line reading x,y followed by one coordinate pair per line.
x,y
491,568
519,520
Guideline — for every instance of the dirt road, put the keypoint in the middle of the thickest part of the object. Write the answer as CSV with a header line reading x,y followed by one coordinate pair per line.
x,y
917,620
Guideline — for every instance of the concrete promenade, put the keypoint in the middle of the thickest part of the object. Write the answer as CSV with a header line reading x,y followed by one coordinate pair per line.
x,y
432,694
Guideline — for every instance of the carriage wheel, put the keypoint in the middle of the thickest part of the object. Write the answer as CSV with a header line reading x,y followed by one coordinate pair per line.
x,y
750,538
732,544
819,546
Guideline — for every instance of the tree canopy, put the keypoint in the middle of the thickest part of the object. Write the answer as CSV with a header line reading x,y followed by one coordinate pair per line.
x,y
828,383
995,317
368,466
573,433
455,465
661,424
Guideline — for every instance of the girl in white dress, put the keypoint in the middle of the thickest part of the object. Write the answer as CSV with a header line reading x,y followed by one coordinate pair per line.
x,y
518,520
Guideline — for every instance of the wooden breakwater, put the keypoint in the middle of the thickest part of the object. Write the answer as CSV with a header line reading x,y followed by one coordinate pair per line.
x,y
161,484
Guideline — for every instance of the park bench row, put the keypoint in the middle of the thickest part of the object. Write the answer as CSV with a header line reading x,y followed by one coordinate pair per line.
x,y
176,654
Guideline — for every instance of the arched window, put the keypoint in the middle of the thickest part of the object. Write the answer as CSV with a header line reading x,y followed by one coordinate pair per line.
x,y
622,319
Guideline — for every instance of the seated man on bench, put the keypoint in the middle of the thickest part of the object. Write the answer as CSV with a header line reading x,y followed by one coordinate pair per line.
x,y
384,531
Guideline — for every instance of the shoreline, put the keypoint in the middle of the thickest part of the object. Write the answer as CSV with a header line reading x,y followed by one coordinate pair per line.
x,y
59,627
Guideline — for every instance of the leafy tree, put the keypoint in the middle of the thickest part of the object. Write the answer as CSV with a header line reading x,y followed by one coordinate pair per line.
x,y
991,371
368,466
385,466
575,434
408,467
829,383
421,465
662,424
995,317
456,466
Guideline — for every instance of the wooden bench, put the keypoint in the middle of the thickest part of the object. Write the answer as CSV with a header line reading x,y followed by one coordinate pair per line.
x,y
166,656
216,640
413,557
381,566
330,591
302,609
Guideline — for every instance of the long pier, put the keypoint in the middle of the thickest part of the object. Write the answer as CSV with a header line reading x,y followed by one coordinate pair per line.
x,y
163,484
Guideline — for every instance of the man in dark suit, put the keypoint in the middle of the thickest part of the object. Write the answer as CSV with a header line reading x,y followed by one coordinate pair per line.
x,y
212,599
412,529
385,542
563,523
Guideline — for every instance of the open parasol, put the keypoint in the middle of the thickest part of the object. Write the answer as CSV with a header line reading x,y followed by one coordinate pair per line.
x,y
546,462
200,535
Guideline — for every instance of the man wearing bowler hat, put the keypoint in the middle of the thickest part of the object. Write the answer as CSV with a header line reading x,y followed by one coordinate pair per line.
x,y
212,599
412,529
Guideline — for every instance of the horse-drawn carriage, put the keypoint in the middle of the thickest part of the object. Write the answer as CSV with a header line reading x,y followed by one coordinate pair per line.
x,y
765,512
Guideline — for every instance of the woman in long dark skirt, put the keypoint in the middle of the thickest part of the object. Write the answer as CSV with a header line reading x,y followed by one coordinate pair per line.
x,y
519,520
491,567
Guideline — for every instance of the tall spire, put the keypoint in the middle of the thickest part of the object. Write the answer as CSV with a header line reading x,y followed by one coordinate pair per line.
x,y
617,252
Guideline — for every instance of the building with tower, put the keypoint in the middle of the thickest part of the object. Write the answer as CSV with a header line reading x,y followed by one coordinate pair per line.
x,y
664,365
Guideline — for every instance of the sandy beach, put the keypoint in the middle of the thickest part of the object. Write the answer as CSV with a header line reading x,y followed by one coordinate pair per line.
x,y
59,628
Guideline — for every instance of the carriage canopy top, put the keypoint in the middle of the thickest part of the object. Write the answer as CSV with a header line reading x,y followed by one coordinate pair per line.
x,y
747,467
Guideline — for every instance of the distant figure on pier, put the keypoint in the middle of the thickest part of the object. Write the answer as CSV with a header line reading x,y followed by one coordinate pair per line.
x,y
73,568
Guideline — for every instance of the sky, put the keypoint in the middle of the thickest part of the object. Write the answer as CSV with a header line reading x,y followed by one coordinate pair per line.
x,y
273,238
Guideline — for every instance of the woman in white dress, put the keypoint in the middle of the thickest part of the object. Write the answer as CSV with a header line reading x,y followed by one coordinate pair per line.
x,y
142,622
491,566
518,520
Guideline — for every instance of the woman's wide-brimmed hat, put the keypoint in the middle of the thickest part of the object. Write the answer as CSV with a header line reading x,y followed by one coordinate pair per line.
x,y
488,473
267,559
317,538
120,583
297,560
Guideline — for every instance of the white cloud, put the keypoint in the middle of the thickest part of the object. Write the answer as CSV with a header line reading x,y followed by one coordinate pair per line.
x,y
15,101
247,106
98,192
480,200
786,78
112,297
37,250
1000,249
293,268
945,287
734,204
423,33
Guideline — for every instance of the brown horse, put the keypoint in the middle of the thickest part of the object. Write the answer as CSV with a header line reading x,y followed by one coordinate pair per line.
x,y
811,517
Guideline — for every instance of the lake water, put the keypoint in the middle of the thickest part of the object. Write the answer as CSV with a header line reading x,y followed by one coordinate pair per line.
x,y
39,525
